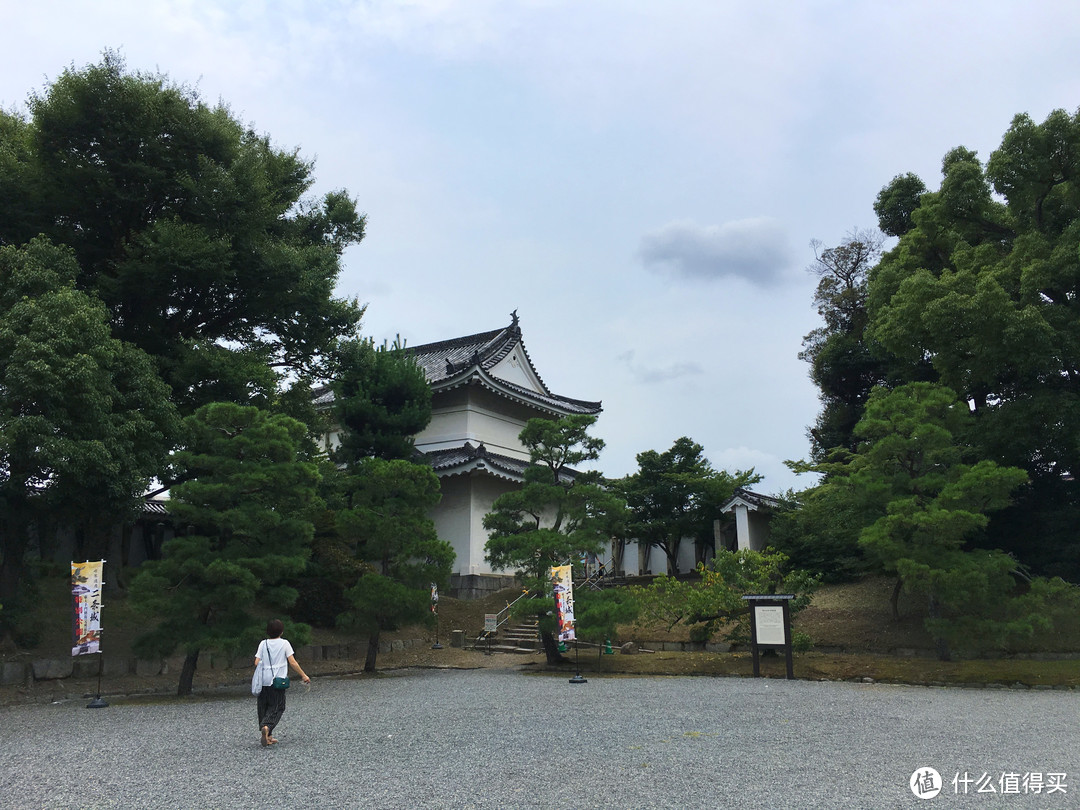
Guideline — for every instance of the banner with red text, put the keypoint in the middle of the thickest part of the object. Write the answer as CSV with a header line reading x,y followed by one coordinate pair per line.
x,y
86,603
562,583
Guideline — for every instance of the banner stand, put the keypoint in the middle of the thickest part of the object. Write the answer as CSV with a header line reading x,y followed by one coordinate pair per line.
x,y
577,664
97,702
435,610
86,588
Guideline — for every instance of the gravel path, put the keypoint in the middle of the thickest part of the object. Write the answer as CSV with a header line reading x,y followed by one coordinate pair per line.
x,y
501,739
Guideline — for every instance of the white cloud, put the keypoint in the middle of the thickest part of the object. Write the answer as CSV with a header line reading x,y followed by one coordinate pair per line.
x,y
645,374
754,250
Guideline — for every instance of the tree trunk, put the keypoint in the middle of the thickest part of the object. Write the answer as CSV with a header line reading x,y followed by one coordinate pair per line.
x,y
187,674
933,610
15,542
551,648
372,651
672,552
894,600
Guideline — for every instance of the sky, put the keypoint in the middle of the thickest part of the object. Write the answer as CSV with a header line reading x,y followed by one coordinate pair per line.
x,y
640,181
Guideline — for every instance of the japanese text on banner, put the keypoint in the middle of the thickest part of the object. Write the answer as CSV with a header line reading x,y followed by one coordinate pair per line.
x,y
562,582
86,604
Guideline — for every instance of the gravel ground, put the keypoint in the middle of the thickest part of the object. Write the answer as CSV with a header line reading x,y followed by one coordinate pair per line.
x,y
504,739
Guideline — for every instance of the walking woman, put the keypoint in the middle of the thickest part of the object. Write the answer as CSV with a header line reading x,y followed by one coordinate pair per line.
x,y
276,656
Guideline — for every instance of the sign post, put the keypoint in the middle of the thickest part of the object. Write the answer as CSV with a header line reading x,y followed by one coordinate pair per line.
x,y
770,627
491,625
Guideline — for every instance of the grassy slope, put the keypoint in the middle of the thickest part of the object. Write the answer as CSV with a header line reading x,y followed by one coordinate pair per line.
x,y
855,617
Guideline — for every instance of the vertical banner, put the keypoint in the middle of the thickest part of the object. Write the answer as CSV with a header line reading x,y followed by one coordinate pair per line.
x,y
86,603
434,598
562,582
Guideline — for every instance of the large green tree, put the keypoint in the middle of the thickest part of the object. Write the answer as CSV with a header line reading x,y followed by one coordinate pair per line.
x,y
246,512
84,418
933,496
675,496
983,287
381,400
387,520
193,229
195,241
844,364
558,514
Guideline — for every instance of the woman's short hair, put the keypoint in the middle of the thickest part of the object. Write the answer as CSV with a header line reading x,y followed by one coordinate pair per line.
x,y
275,627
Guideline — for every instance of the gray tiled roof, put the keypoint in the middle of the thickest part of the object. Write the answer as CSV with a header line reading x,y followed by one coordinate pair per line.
x,y
450,363
753,498
484,349
154,508
467,456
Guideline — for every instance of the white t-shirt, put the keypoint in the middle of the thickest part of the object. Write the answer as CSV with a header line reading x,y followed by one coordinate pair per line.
x,y
273,655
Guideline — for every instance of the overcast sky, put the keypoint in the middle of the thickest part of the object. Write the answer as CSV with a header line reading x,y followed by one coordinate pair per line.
x,y
639,180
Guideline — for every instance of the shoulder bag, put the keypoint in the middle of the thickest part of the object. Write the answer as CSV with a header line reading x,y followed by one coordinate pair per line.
x,y
280,683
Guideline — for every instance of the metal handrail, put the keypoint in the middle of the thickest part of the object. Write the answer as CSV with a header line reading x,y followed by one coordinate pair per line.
x,y
592,580
503,616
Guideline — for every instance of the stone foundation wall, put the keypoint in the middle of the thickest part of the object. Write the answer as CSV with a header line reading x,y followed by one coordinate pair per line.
x,y
477,586
52,669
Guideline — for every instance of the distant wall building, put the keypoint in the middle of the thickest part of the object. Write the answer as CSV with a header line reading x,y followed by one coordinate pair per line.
x,y
753,514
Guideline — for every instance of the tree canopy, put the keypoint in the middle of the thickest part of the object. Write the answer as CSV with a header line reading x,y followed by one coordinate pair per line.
x,y
676,495
982,289
84,418
844,364
978,295
191,228
159,255
387,521
961,469
381,400
248,504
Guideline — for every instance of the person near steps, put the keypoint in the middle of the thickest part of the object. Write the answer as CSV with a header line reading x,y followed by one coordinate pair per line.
x,y
277,653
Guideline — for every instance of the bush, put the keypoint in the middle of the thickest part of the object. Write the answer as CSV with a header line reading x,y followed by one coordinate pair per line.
x,y
320,601
715,604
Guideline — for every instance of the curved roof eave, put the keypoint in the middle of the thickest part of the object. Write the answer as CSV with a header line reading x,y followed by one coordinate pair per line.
x,y
478,466
552,403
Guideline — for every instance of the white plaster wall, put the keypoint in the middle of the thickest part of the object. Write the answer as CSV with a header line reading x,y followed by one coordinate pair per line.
x,y
685,557
759,530
486,488
742,525
459,517
514,368
476,415
448,427
651,559
452,521
631,562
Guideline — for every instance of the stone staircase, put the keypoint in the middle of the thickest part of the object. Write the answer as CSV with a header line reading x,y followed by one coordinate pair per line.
x,y
522,639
